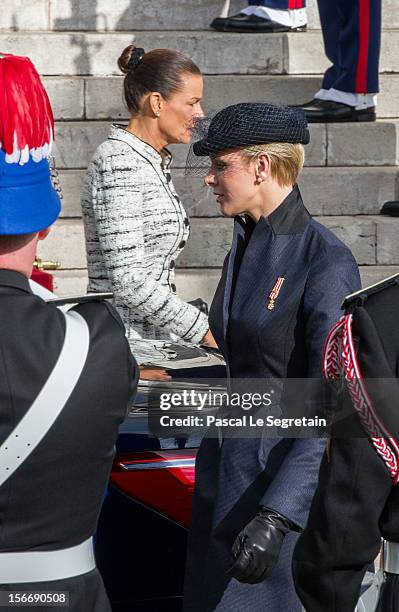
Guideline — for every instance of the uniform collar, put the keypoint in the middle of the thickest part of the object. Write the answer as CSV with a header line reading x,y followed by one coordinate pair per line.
x,y
290,217
11,278
119,132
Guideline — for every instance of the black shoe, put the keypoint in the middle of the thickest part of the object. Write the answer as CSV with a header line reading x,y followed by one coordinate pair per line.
x,y
327,111
306,105
390,208
250,23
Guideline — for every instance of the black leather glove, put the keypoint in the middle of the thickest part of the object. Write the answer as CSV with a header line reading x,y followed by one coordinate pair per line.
x,y
257,547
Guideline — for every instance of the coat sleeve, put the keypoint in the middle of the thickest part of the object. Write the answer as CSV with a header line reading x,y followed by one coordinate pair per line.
x,y
332,276
342,537
118,215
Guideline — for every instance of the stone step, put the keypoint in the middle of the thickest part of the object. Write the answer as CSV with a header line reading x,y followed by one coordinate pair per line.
x,y
100,98
70,282
192,283
210,240
89,53
326,191
65,244
76,141
202,283
67,96
104,100
373,241
33,15
341,144
309,57
136,15
374,274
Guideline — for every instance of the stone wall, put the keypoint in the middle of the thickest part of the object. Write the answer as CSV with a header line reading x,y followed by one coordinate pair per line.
x,y
351,169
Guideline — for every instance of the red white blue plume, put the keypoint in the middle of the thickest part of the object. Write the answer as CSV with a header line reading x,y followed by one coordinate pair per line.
x,y
26,118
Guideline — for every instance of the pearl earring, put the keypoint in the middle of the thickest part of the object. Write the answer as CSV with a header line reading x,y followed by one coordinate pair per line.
x,y
157,114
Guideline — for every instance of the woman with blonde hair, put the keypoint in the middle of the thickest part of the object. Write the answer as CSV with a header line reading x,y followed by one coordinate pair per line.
x,y
135,224
281,288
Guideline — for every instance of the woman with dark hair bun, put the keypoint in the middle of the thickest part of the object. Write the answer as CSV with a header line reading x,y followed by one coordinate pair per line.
x,y
135,224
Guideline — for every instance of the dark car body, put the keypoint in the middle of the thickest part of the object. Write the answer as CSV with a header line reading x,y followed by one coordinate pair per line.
x,y
142,531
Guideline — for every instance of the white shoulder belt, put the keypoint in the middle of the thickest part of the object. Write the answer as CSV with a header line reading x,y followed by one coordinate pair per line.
x,y
39,566
51,400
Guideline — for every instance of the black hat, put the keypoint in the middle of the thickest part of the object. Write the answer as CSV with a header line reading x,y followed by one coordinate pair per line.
x,y
251,123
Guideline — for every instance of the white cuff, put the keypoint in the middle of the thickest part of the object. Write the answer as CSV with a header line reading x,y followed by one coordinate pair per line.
x,y
292,18
359,101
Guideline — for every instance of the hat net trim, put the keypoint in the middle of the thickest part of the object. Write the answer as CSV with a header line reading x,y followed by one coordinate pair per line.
x,y
242,126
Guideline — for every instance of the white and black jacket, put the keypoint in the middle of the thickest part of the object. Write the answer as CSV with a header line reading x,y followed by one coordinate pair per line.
x,y
135,228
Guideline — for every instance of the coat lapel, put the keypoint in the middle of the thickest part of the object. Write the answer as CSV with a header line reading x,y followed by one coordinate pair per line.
x,y
235,256
262,264
257,250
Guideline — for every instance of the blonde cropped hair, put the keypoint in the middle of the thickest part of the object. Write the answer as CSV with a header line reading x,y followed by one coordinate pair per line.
x,y
286,160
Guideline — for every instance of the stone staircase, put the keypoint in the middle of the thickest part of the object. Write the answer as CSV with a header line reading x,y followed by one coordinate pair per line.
x,y
351,169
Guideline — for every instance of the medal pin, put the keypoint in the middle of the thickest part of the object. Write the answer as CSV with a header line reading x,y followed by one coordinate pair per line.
x,y
273,295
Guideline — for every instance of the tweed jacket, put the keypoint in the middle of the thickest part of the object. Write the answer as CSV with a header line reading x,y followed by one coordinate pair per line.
x,y
135,228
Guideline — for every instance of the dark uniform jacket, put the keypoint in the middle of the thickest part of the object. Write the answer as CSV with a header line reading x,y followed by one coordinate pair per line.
x,y
53,499
234,478
355,503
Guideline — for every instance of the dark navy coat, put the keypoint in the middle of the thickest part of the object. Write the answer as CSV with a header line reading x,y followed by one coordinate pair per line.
x,y
236,476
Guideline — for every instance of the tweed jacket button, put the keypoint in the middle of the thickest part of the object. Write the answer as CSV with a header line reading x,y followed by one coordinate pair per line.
x,y
173,287
182,244
172,264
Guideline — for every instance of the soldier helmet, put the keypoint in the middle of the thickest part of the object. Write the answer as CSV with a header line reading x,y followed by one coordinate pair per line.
x,y
28,200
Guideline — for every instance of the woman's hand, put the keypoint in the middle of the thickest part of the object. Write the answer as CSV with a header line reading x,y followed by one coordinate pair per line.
x,y
153,373
257,547
209,340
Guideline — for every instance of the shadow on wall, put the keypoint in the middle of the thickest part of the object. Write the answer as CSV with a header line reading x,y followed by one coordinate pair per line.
x,y
90,16
14,23
85,21
173,14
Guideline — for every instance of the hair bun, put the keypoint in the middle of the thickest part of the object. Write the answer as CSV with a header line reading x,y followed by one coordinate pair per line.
x,y
135,58
130,58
